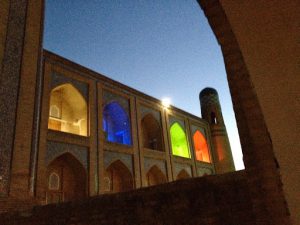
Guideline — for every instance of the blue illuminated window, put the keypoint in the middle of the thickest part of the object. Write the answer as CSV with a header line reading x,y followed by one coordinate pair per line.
x,y
116,124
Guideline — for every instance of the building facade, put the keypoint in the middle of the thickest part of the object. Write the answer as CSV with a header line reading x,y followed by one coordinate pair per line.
x,y
99,136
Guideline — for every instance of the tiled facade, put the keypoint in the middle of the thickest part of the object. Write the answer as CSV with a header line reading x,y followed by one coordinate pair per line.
x,y
257,39
146,163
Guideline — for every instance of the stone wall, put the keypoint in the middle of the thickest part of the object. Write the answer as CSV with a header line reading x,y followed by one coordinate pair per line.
x,y
211,200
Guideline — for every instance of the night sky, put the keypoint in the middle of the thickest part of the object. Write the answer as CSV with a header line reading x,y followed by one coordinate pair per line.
x,y
162,48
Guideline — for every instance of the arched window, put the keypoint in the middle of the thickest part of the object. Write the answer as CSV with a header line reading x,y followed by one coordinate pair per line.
x,y
68,110
116,124
182,175
152,135
119,176
213,118
155,176
179,141
54,181
201,147
54,111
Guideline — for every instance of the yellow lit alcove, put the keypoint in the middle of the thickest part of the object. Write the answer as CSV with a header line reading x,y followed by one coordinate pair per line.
x,y
68,110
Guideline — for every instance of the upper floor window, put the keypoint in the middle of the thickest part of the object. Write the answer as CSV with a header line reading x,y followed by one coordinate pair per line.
x,y
201,147
179,142
152,134
116,124
68,110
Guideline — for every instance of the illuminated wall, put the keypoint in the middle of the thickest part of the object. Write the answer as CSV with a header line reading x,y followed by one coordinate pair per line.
x,y
179,143
116,124
67,110
201,147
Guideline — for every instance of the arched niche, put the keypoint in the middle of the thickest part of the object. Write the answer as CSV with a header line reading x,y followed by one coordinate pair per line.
x,y
213,118
179,142
116,124
182,175
151,133
68,110
66,179
201,147
155,176
118,177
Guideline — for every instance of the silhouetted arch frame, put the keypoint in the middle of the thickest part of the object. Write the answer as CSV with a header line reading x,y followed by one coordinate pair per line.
x,y
242,92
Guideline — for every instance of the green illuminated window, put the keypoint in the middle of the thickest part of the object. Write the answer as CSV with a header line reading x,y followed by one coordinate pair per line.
x,y
179,141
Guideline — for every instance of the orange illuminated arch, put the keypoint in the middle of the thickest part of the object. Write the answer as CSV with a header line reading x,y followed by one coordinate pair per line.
x,y
201,147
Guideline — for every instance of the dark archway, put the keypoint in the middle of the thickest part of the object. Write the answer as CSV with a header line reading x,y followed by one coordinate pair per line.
x,y
119,177
116,124
152,133
182,175
66,179
155,176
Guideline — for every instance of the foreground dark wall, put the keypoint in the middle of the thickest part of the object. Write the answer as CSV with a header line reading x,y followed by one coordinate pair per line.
x,y
219,199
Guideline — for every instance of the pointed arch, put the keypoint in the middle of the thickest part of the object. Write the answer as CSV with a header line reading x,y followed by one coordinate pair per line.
x,y
54,181
67,179
116,124
155,176
118,177
201,147
213,118
152,133
182,175
68,110
179,142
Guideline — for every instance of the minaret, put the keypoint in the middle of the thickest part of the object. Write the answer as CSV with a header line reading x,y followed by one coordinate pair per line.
x,y
211,112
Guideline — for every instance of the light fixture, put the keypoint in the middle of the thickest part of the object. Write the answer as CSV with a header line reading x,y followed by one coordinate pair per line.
x,y
166,102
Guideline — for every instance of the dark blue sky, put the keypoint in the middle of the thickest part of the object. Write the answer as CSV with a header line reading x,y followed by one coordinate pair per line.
x,y
162,48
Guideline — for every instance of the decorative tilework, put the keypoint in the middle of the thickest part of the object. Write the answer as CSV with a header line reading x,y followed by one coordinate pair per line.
x,y
149,162
201,129
9,80
174,120
55,149
156,114
58,79
204,171
180,166
110,157
110,97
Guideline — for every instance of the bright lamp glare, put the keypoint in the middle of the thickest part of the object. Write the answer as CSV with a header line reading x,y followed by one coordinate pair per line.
x,y
166,102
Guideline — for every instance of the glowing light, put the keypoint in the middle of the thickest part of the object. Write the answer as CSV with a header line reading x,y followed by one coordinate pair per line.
x,y
179,141
166,102
201,147
116,124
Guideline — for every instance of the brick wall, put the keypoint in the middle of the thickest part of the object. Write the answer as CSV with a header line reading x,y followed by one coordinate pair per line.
x,y
211,200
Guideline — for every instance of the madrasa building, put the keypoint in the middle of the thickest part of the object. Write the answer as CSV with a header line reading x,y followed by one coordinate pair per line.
x,y
96,133
42,161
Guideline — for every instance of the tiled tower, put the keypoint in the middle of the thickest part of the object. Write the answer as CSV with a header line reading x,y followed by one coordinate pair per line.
x,y
211,111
